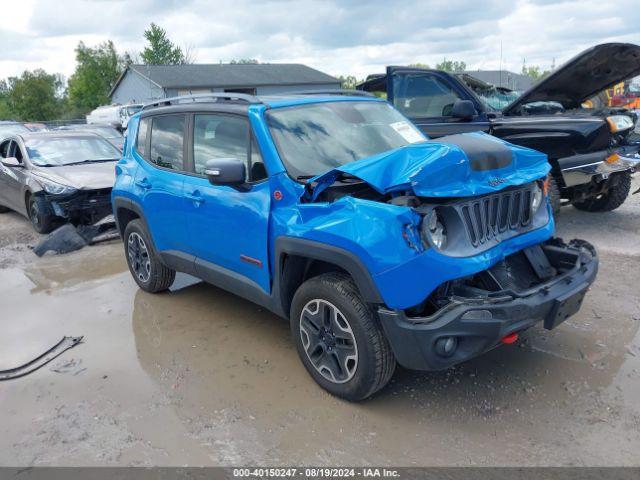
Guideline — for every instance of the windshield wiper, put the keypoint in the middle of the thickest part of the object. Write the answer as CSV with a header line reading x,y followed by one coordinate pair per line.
x,y
97,160
305,177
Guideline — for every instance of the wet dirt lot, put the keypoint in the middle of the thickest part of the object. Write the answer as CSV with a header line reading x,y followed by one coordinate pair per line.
x,y
200,377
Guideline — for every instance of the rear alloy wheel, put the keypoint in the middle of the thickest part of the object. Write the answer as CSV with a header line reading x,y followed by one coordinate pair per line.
x,y
145,266
339,338
42,221
139,260
617,192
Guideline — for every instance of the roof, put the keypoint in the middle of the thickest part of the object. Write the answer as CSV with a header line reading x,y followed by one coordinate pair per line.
x,y
57,134
229,75
503,78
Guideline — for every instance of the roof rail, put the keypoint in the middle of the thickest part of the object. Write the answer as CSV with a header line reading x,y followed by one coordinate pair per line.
x,y
336,91
202,97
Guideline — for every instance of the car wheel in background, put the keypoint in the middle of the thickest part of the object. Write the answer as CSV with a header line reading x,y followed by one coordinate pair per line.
x,y
617,193
339,338
145,266
554,194
41,219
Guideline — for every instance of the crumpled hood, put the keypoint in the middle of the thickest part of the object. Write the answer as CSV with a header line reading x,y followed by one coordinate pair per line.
x,y
455,166
86,176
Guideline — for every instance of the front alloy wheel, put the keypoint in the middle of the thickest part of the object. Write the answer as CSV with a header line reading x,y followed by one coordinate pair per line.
x,y
339,337
328,341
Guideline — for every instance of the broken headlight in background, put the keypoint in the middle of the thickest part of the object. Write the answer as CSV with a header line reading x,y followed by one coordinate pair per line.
x,y
55,188
619,123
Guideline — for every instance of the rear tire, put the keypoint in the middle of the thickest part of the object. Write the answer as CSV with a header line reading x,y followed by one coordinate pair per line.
x,y
339,338
612,198
41,220
145,266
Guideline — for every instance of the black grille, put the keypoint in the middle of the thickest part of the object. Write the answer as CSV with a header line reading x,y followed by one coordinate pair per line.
x,y
486,217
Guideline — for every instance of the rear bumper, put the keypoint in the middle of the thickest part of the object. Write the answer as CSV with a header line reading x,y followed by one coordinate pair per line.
x,y
479,324
585,168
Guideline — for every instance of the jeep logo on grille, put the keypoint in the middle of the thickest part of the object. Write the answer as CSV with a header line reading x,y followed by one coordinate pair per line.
x,y
494,182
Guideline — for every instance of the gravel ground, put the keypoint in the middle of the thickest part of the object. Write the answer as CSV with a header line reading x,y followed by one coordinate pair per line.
x,y
200,377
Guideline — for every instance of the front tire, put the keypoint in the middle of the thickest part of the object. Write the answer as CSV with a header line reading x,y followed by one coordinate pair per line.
x,y
41,220
145,266
339,339
612,198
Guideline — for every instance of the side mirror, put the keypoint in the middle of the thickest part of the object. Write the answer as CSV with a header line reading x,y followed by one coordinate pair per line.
x,y
226,171
11,162
463,109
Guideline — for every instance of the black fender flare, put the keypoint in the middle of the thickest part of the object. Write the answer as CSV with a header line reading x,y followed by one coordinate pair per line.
x,y
128,204
328,253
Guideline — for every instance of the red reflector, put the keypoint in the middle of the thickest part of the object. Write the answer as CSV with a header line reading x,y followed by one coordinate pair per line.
x,y
509,339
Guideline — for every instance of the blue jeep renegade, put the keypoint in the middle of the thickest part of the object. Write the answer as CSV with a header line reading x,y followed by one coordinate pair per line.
x,y
335,212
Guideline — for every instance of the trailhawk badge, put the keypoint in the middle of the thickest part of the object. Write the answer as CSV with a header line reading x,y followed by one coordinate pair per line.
x,y
494,182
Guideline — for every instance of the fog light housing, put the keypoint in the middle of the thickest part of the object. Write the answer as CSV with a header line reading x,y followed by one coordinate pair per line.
x,y
446,346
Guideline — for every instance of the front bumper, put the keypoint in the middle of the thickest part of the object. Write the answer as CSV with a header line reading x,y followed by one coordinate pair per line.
x,y
479,324
83,206
585,168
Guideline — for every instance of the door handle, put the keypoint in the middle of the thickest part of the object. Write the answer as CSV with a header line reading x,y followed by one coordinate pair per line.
x,y
144,184
195,197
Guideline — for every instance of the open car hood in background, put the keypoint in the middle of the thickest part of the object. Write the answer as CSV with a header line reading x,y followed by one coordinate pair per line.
x,y
585,75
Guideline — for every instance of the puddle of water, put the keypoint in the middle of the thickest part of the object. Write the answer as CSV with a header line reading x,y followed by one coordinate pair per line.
x,y
201,376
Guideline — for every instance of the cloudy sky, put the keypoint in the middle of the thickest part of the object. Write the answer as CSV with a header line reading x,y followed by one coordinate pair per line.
x,y
339,37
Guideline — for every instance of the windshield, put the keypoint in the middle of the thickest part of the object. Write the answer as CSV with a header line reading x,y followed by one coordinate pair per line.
x,y
496,98
13,128
55,151
312,139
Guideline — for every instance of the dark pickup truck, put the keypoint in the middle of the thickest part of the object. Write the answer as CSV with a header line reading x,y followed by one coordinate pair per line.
x,y
591,151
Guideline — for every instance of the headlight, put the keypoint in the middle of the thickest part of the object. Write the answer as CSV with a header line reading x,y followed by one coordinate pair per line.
x,y
433,232
55,188
618,123
536,198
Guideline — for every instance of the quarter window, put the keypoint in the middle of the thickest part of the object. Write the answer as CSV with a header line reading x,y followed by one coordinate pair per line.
x,y
141,139
167,137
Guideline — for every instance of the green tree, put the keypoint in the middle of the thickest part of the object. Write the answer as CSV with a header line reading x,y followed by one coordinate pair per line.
x,y
534,72
160,50
5,109
451,65
419,65
349,81
34,96
97,69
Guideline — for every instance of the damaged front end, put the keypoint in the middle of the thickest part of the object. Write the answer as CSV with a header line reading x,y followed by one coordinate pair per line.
x,y
80,207
467,316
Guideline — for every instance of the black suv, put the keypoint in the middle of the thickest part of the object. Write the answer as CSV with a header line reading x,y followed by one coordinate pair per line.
x,y
590,151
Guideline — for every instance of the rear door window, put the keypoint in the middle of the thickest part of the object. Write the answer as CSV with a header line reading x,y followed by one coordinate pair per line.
x,y
167,142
